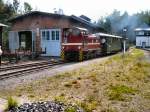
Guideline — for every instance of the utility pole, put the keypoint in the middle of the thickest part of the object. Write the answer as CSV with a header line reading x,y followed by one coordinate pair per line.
x,y
124,40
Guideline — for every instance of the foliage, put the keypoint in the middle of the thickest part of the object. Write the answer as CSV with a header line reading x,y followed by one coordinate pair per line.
x,y
27,7
9,10
16,6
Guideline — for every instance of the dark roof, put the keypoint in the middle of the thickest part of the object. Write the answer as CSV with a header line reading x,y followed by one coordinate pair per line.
x,y
79,19
85,17
35,13
83,21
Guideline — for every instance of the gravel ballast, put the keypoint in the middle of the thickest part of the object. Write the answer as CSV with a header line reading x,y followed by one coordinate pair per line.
x,y
47,106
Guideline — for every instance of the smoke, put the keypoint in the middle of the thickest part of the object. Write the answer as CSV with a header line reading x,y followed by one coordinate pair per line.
x,y
119,22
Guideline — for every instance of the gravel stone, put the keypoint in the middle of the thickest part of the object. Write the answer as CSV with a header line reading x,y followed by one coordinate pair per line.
x,y
47,106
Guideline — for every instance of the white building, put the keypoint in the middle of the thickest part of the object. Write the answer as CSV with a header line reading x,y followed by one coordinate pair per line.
x,y
142,37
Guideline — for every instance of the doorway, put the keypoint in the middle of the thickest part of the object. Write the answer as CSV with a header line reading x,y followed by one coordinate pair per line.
x,y
25,40
143,44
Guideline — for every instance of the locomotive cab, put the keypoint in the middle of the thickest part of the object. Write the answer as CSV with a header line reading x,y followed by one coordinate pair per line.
x,y
78,44
72,42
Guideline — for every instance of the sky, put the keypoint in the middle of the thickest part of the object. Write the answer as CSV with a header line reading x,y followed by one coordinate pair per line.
x,y
94,9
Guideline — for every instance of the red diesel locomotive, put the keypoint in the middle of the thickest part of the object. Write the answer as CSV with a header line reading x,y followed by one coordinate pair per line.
x,y
78,45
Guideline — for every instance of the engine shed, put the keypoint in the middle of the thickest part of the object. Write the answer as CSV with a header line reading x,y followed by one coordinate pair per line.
x,y
42,32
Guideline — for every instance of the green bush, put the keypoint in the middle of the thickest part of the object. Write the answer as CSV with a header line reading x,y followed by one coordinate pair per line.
x,y
70,109
11,103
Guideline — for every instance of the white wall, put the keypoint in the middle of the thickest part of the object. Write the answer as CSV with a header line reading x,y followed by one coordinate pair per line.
x,y
140,39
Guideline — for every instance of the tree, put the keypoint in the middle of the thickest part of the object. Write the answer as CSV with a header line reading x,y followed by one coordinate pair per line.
x,y
16,5
27,7
6,11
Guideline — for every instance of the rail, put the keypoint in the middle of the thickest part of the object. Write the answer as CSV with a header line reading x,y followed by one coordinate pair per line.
x,y
20,70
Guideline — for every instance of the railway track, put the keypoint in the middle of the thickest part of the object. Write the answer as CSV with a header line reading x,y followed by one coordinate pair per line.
x,y
19,70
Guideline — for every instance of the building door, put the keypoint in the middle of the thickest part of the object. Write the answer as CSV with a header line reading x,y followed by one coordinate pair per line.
x,y
51,42
143,44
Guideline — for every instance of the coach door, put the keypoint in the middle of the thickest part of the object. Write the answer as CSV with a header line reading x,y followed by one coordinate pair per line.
x,y
51,42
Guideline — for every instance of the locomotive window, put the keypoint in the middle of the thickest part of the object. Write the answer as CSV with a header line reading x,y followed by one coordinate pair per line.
x,y
76,32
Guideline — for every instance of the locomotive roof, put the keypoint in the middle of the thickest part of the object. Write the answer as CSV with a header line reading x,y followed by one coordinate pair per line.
x,y
107,35
83,29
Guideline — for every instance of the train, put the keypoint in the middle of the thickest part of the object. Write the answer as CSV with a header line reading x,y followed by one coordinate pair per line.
x,y
79,45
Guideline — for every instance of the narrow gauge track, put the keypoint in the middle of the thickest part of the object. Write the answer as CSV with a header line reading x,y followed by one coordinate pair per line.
x,y
20,70
12,67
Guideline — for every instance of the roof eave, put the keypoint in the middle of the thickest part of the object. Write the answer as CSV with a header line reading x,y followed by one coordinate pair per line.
x,y
3,25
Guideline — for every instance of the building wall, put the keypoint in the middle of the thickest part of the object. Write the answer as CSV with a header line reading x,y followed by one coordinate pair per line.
x,y
42,22
32,23
141,39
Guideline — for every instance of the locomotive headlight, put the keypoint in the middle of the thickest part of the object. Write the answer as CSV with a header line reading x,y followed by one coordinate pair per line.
x,y
103,41
79,47
63,47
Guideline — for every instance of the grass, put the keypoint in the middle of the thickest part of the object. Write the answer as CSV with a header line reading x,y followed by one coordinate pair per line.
x,y
117,92
11,103
70,109
107,86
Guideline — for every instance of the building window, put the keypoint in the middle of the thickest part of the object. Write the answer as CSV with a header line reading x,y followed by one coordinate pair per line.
x,y
43,35
57,35
140,33
47,35
50,35
53,35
